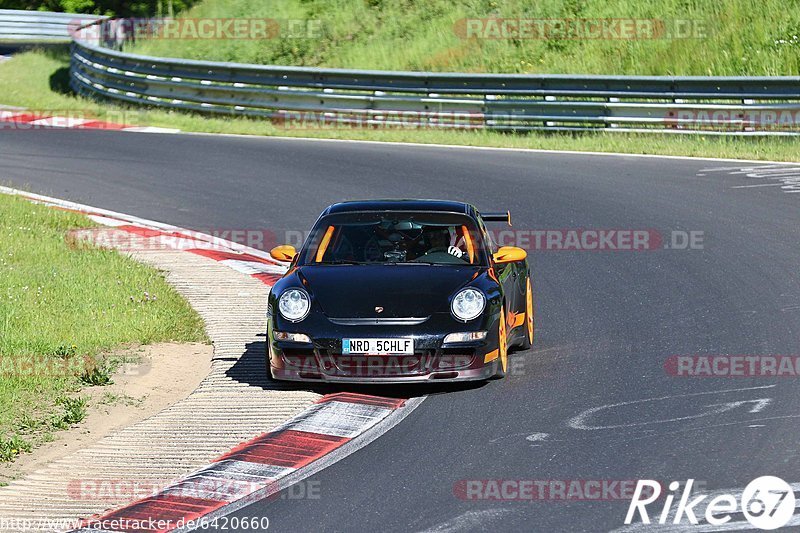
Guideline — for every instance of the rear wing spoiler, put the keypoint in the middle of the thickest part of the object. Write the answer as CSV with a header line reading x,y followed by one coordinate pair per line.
x,y
497,217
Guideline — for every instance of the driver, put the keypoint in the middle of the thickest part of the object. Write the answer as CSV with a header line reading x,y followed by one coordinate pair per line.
x,y
438,240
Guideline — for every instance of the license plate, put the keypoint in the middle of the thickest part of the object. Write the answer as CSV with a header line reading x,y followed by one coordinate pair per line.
x,y
378,346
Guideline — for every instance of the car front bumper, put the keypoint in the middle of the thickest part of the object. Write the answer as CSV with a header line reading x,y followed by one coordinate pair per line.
x,y
440,376
322,360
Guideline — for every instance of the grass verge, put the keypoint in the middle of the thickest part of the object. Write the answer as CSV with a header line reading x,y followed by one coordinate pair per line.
x,y
62,307
720,38
38,80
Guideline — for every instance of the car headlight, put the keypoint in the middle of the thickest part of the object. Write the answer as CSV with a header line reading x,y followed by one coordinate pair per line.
x,y
468,304
294,304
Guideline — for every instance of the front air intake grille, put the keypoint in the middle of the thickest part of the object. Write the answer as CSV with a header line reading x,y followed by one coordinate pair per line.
x,y
395,321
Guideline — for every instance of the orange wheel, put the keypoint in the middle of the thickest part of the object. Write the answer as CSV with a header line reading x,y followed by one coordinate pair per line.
x,y
502,341
529,311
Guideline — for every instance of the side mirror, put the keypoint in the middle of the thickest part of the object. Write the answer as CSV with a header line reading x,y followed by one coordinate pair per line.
x,y
509,254
284,253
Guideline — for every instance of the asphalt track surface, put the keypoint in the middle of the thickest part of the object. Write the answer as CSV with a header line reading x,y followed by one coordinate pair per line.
x,y
606,320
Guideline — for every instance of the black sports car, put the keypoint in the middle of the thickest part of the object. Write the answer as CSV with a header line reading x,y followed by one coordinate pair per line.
x,y
399,291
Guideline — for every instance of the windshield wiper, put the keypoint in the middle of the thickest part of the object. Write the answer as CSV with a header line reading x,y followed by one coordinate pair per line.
x,y
415,262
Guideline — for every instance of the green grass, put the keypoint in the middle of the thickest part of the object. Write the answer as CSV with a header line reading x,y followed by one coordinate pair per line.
x,y
62,307
98,373
73,412
12,446
741,37
36,79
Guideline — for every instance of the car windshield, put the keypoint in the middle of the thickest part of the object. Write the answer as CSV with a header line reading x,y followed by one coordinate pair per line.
x,y
401,237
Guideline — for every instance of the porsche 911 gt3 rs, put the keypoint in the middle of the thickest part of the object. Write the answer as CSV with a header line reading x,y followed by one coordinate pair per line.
x,y
389,291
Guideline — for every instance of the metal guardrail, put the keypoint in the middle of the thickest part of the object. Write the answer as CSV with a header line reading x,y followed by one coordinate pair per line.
x,y
302,97
39,26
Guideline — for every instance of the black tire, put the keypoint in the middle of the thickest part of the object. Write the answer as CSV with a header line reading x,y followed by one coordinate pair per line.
x,y
525,344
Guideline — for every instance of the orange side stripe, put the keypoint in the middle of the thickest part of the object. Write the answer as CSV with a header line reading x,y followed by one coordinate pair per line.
x,y
470,246
491,356
324,244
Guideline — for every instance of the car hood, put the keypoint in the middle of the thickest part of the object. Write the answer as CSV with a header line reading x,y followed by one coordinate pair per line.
x,y
354,291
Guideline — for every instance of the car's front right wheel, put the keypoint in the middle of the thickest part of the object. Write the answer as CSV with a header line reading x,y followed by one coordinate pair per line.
x,y
502,344
527,341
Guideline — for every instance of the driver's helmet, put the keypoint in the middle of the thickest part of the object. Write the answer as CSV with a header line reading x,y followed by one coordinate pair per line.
x,y
437,238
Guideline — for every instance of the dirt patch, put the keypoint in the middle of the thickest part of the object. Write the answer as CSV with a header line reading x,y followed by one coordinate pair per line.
x,y
158,376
